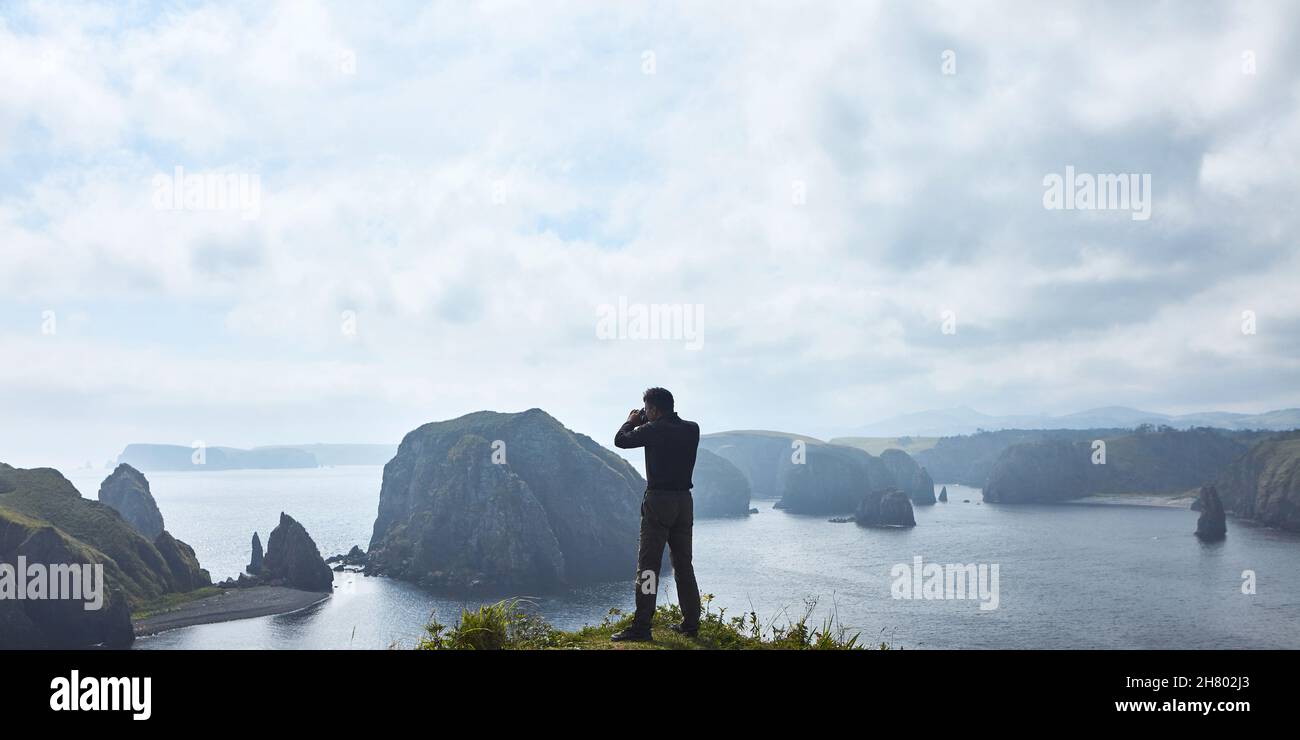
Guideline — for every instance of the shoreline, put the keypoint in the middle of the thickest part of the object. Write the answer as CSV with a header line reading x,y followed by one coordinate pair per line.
x,y
228,606
1174,501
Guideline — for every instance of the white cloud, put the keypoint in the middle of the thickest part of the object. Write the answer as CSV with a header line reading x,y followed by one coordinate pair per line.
x,y
487,175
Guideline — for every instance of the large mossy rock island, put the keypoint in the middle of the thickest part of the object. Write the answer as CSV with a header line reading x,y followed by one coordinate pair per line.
x,y
720,488
45,519
505,502
885,508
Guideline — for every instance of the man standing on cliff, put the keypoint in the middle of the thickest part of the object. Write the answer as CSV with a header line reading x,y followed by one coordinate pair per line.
x,y
667,511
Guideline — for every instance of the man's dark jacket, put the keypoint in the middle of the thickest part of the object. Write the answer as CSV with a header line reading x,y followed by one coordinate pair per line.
x,y
670,443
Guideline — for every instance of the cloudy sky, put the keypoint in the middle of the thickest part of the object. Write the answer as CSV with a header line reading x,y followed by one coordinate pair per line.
x,y
848,197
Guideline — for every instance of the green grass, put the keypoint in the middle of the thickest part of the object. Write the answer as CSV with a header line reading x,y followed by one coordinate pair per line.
x,y
45,496
172,601
509,625
877,445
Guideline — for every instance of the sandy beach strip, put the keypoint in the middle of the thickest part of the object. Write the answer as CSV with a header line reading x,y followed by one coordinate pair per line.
x,y
229,605
1167,501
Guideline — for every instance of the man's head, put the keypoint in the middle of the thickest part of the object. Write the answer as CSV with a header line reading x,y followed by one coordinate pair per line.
x,y
658,402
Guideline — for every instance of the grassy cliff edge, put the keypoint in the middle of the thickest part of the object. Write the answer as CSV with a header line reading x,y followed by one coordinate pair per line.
x,y
509,625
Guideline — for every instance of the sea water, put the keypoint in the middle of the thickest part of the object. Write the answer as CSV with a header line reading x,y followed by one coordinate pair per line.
x,y
1070,576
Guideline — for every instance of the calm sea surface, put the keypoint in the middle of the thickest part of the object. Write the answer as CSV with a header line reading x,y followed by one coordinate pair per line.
x,y
1070,576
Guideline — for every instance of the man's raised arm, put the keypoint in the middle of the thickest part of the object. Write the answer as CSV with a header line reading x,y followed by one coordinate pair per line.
x,y
630,435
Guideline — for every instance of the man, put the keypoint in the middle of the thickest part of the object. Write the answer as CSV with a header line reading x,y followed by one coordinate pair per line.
x,y
667,511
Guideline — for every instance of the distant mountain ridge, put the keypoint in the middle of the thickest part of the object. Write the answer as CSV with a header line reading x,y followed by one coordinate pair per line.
x,y
965,420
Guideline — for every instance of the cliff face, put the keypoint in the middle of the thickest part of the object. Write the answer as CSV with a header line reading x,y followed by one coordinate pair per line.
x,y
720,487
45,520
969,459
56,623
1264,484
762,457
1050,470
910,478
496,501
127,491
829,479
479,526
183,571
833,479
292,558
1166,461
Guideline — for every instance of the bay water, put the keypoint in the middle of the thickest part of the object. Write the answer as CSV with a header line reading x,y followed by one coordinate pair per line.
x,y
1069,576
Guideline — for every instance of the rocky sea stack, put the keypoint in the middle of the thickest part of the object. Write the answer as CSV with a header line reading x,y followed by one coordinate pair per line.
x,y
256,559
720,488
292,559
943,495
127,491
354,560
494,501
44,519
1211,526
885,508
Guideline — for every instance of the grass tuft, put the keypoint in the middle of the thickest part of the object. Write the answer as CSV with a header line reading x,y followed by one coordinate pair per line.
x,y
510,625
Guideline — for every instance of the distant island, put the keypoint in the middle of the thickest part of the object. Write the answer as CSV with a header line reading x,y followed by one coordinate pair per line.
x,y
156,457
